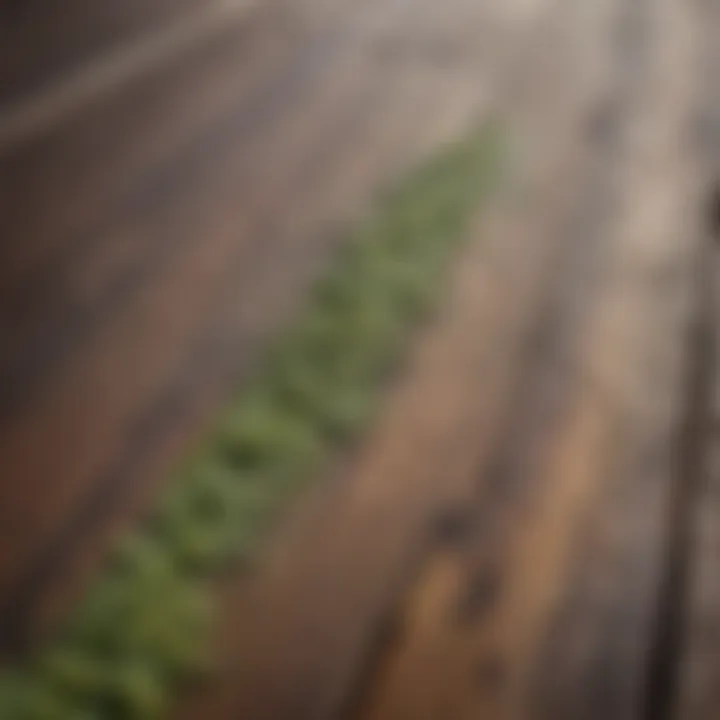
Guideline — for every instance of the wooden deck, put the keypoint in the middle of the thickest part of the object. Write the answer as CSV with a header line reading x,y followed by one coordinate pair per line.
x,y
531,528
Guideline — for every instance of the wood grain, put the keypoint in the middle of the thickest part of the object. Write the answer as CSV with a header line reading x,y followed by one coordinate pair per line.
x,y
135,328
41,43
697,663
529,531
301,628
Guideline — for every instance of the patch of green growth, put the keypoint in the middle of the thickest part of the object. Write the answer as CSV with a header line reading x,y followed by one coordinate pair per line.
x,y
143,627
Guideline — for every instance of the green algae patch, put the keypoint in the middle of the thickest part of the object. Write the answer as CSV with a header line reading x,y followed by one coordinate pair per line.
x,y
142,630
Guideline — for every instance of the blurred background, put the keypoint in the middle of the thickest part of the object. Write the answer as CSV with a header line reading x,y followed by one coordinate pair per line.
x,y
525,524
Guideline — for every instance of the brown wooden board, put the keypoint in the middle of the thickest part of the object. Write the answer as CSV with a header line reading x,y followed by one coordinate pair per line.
x,y
300,635
554,606
42,42
696,668
178,292
530,529
548,469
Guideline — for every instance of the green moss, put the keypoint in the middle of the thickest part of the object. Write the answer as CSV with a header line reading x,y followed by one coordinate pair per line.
x,y
143,627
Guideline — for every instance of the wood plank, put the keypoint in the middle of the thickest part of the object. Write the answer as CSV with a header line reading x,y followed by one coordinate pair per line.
x,y
63,193
596,658
318,159
696,681
41,43
514,537
298,630
151,146
544,605
696,666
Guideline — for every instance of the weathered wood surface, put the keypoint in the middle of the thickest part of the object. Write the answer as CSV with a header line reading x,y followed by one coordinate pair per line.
x,y
144,259
530,530
543,444
697,595
42,42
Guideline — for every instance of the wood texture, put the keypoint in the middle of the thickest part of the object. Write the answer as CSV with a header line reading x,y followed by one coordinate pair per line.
x,y
697,661
43,42
530,530
146,262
